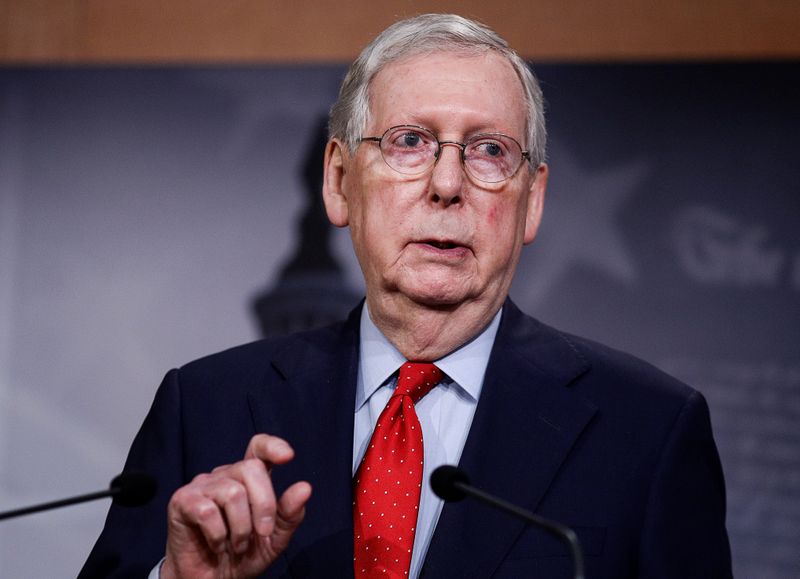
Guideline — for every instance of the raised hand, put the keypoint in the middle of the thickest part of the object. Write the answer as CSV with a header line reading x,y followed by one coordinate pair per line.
x,y
228,523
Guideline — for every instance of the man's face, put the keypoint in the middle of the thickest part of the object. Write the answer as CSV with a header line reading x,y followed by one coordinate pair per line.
x,y
439,239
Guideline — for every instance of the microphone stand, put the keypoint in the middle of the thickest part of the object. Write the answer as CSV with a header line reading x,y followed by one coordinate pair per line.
x,y
128,489
452,484
54,504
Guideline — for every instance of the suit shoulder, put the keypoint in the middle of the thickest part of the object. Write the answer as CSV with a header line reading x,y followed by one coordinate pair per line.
x,y
630,394
598,371
626,369
255,359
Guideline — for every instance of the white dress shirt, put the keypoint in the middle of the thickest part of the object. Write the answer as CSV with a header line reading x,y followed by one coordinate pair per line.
x,y
445,413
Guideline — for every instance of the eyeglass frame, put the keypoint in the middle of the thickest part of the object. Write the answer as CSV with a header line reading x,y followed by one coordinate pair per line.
x,y
525,154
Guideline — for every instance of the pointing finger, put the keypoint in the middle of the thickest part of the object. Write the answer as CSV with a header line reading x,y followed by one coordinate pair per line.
x,y
260,494
269,449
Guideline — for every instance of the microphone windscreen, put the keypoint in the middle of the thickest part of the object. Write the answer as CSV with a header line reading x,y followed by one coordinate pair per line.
x,y
133,489
444,479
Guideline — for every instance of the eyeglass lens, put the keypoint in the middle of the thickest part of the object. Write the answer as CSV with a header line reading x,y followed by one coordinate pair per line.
x,y
490,158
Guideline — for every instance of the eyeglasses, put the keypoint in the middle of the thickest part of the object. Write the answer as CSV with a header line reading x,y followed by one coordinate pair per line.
x,y
413,150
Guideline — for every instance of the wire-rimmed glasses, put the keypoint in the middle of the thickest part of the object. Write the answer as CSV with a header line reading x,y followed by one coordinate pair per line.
x,y
487,157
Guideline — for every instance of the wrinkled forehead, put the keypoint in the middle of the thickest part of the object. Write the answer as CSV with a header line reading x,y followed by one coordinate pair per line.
x,y
478,84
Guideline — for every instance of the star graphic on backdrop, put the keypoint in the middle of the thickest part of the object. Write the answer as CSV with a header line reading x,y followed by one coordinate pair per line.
x,y
579,227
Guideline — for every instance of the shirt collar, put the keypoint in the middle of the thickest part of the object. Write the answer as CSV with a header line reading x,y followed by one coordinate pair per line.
x,y
379,359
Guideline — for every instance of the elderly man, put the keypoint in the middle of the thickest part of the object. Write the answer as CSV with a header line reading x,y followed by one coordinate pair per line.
x,y
436,164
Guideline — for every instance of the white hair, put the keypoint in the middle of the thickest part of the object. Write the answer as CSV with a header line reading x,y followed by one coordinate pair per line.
x,y
426,34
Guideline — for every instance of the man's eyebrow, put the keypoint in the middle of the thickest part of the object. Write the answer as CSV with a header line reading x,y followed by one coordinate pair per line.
x,y
463,136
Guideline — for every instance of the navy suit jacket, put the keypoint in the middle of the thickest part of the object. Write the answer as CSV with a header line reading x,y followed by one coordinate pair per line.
x,y
565,427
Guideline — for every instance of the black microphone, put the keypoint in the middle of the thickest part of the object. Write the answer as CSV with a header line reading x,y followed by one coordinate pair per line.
x,y
129,489
451,484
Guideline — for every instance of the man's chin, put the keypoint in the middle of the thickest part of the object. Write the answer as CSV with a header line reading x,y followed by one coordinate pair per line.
x,y
436,297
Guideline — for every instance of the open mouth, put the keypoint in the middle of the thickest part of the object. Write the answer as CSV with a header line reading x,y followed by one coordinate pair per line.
x,y
441,244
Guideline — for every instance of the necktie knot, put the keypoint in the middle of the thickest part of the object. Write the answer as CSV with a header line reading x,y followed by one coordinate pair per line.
x,y
417,379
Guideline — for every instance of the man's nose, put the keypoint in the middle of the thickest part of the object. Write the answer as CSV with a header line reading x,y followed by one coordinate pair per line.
x,y
447,180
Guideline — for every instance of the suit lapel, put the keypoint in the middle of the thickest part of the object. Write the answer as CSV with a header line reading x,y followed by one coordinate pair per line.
x,y
526,422
312,407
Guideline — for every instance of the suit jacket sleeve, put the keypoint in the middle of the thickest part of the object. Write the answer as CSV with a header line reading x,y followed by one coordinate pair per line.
x,y
133,539
684,533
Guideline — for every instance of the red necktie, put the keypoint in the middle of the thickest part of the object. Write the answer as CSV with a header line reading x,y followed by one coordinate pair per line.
x,y
389,479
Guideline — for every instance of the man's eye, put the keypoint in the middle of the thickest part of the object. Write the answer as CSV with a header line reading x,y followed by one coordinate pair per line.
x,y
489,149
409,140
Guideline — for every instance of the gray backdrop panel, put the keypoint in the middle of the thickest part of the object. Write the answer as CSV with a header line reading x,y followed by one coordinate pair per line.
x,y
143,211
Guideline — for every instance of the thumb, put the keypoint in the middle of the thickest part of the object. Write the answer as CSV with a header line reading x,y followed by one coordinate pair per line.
x,y
291,510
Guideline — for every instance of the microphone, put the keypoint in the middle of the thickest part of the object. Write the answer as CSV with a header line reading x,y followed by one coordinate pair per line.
x,y
451,484
129,489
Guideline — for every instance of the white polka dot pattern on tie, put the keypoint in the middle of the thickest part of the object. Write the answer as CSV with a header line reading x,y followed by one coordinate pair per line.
x,y
386,502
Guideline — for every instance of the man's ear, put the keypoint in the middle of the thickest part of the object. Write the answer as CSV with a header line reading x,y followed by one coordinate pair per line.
x,y
535,203
333,184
